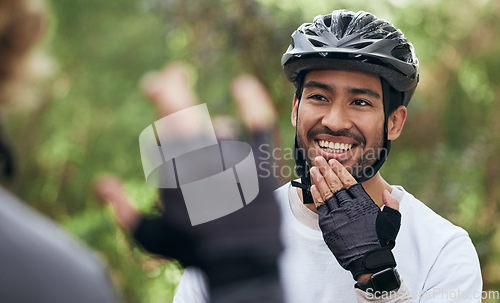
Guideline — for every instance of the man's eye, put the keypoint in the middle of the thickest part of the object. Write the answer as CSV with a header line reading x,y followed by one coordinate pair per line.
x,y
361,103
318,97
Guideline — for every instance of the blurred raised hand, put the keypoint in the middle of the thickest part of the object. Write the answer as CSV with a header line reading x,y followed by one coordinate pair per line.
x,y
237,248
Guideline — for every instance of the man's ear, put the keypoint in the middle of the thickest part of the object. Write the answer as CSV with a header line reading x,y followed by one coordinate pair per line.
x,y
295,108
396,122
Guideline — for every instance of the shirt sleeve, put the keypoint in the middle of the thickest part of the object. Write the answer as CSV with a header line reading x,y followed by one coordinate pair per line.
x,y
192,288
455,275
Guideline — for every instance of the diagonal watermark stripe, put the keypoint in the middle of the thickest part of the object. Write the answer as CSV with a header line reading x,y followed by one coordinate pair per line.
x,y
216,178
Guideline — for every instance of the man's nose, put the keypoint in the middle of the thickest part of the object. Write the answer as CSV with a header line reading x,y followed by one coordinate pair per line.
x,y
336,118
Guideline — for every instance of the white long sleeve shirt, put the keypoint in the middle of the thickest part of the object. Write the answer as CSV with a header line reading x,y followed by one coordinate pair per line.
x,y
436,259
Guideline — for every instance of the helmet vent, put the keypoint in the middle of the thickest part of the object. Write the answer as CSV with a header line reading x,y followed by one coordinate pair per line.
x,y
361,45
328,20
317,43
310,32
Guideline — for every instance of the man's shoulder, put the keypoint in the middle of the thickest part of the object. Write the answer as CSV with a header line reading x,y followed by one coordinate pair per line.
x,y
419,217
282,188
442,251
286,196
281,193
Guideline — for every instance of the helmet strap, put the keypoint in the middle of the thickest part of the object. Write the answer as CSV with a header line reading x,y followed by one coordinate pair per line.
x,y
301,166
302,169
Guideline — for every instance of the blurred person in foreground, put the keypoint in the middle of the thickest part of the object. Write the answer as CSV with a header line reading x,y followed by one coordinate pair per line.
x,y
39,262
348,235
238,252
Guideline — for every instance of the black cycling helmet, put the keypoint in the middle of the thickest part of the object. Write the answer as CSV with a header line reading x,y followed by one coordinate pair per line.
x,y
353,41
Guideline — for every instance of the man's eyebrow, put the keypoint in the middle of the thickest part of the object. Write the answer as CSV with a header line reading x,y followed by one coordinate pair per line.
x,y
364,91
316,84
351,90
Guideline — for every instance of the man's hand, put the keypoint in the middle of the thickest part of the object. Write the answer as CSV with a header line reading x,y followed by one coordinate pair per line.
x,y
357,232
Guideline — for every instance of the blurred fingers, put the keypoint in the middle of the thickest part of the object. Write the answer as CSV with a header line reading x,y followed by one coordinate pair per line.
x,y
110,190
254,103
169,89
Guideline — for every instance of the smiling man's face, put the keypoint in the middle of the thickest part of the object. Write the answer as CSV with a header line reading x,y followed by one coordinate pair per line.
x,y
341,116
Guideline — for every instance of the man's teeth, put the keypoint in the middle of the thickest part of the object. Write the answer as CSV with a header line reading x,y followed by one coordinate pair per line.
x,y
334,147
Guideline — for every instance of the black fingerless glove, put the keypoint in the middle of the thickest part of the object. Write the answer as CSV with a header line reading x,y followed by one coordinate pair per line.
x,y
358,233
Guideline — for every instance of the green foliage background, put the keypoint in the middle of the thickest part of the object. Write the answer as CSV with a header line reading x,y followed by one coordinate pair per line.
x,y
89,110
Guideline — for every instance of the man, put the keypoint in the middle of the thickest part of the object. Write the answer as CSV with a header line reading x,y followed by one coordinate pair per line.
x,y
355,74
39,262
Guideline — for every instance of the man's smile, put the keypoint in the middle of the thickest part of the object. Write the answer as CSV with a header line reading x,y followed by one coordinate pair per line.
x,y
332,147
340,148
341,151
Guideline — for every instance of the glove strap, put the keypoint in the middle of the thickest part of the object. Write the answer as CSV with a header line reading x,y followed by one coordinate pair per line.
x,y
373,261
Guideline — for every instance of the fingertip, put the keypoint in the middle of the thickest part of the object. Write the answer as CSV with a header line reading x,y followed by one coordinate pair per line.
x,y
335,165
236,84
313,170
108,180
332,162
149,83
248,88
254,103
389,201
316,196
385,195
313,189
242,80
